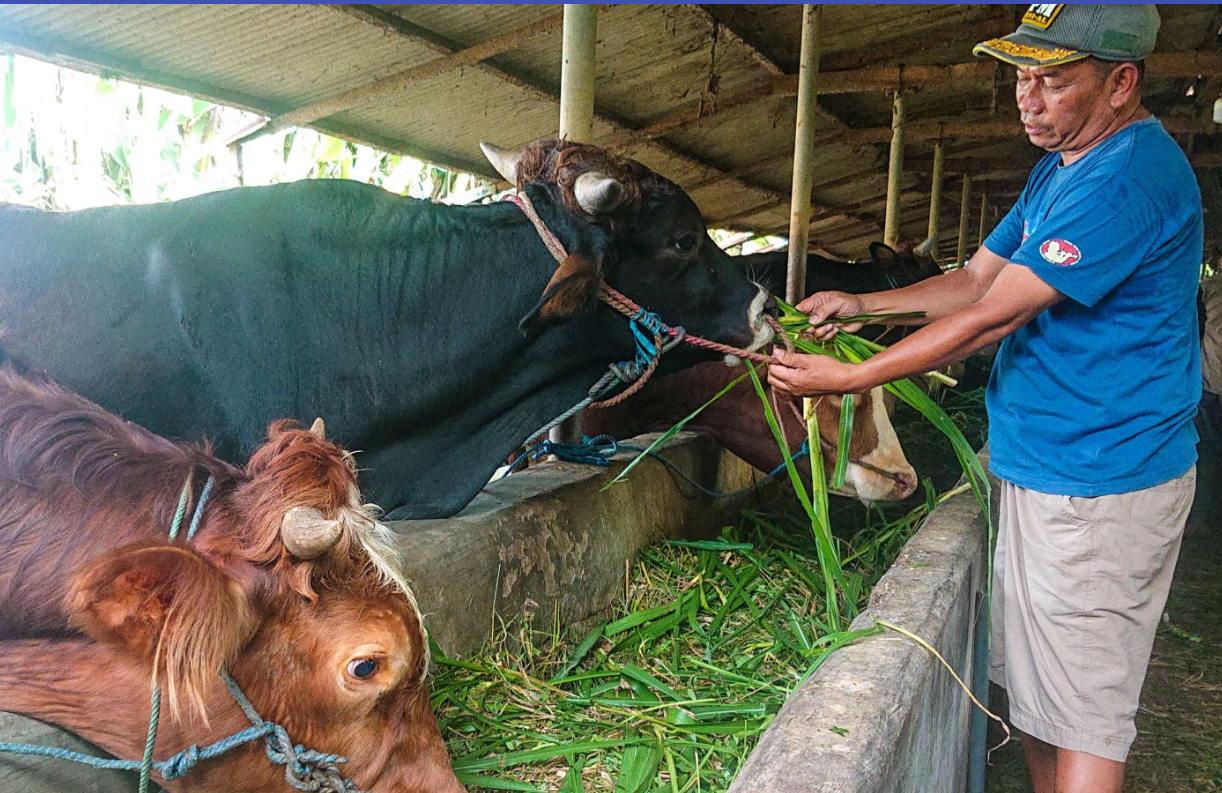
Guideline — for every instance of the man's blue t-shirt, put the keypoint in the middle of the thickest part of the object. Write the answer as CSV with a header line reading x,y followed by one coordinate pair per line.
x,y
1096,395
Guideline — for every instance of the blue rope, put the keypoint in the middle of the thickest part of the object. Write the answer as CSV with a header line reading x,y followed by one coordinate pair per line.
x,y
591,451
304,769
653,326
296,759
150,739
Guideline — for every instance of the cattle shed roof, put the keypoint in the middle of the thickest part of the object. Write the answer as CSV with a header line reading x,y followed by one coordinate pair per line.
x,y
704,94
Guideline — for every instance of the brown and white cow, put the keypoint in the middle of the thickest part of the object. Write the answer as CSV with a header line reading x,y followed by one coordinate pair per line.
x,y
290,584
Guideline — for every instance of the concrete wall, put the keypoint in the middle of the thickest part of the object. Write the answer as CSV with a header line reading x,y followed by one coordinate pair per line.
x,y
904,720
549,538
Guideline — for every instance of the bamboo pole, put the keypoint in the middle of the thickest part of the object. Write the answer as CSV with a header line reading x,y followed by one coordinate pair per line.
x,y
935,194
895,172
577,116
577,72
984,212
803,155
964,210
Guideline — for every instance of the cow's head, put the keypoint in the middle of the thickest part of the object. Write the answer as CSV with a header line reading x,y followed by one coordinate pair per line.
x,y
343,671
878,469
299,507
626,225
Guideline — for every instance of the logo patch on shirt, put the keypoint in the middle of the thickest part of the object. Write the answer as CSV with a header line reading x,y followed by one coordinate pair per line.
x,y
1040,15
1062,253
1026,233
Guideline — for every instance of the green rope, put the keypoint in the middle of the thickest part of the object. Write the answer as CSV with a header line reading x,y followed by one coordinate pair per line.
x,y
146,762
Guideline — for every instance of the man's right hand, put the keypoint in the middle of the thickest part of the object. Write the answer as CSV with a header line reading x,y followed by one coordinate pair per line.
x,y
823,306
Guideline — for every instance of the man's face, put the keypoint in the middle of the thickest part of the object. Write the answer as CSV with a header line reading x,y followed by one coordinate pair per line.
x,y
1064,107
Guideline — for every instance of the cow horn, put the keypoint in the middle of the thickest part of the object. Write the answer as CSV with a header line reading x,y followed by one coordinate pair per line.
x,y
926,247
319,429
597,193
307,534
504,160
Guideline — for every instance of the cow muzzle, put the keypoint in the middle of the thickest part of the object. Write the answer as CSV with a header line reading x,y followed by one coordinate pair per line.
x,y
757,319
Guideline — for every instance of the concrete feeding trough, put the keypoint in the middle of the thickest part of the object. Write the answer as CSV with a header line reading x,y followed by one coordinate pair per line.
x,y
879,715
550,540
882,715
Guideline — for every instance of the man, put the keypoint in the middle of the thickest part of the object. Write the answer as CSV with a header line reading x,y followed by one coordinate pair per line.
x,y
1209,418
1091,281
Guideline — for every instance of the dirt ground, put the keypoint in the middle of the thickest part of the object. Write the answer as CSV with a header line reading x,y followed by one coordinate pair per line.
x,y
1179,724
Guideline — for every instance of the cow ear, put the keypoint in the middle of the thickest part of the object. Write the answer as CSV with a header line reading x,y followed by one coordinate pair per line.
x,y
167,609
573,288
884,255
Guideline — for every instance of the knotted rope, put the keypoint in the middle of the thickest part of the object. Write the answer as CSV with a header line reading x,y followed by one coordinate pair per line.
x,y
304,769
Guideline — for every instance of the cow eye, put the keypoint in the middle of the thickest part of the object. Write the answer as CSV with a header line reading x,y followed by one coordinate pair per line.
x,y
687,243
362,668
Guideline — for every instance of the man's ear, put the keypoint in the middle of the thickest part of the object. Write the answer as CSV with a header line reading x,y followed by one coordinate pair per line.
x,y
166,608
572,289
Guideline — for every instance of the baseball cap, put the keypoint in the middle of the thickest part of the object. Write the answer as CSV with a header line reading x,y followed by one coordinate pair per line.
x,y
1056,33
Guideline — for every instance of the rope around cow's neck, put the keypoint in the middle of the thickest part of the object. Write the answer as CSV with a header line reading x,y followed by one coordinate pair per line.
x,y
616,299
634,374
304,769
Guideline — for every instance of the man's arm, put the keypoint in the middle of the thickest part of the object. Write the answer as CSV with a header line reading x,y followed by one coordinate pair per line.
x,y
938,297
1016,295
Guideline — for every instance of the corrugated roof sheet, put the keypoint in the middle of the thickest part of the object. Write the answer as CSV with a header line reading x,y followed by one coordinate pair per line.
x,y
654,61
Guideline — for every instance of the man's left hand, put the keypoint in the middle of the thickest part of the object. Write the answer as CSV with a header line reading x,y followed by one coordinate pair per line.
x,y
812,375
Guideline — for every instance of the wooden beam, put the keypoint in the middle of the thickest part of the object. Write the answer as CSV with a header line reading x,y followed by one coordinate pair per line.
x,y
979,130
1170,64
577,71
964,212
895,171
906,44
935,191
454,61
855,81
755,51
1183,64
1206,160
844,234
984,214
804,154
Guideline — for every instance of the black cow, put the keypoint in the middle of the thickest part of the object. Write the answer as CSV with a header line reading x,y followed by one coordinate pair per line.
x,y
395,319
885,268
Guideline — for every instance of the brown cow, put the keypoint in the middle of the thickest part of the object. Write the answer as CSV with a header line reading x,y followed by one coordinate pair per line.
x,y
331,647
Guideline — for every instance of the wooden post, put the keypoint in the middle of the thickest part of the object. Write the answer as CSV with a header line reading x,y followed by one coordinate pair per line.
x,y
577,117
577,72
984,212
964,210
803,155
895,172
935,195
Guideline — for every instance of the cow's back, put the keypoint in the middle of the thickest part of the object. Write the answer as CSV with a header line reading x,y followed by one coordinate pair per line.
x,y
139,307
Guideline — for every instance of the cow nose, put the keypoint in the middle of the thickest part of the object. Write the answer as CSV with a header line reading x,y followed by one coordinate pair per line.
x,y
771,308
906,483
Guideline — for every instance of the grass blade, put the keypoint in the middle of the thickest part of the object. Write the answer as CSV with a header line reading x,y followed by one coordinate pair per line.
x,y
847,409
672,432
